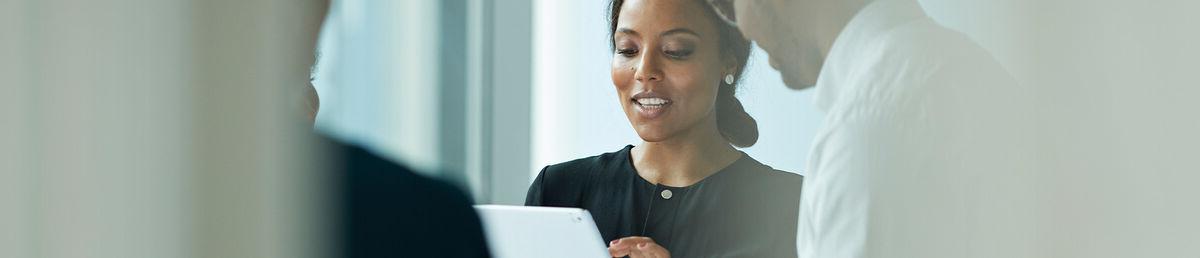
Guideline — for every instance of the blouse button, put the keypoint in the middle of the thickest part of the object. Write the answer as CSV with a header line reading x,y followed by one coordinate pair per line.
x,y
666,194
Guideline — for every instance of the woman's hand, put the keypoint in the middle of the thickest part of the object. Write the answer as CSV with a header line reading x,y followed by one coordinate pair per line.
x,y
637,247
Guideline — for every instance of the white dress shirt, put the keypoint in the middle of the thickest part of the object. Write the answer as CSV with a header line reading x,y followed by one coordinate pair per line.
x,y
925,146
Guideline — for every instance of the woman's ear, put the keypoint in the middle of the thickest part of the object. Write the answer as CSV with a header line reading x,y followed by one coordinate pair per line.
x,y
729,65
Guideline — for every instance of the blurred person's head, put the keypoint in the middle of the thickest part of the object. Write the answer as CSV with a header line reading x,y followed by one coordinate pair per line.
x,y
676,68
797,34
309,101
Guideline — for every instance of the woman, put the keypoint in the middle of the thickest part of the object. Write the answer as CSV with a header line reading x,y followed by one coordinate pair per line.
x,y
685,191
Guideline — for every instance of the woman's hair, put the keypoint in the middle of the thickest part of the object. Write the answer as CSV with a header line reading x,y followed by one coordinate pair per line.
x,y
735,124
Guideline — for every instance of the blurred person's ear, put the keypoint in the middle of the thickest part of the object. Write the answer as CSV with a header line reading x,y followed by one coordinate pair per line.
x,y
311,103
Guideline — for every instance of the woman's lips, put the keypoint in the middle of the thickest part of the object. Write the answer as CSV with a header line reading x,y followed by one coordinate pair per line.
x,y
650,105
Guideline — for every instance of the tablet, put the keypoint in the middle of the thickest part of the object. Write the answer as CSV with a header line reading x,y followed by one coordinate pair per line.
x,y
519,231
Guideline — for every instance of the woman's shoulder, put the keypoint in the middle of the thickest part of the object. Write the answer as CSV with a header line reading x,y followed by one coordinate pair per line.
x,y
776,193
768,175
588,166
564,184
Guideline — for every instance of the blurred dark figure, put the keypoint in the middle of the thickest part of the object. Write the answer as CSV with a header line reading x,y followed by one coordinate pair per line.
x,y
389,211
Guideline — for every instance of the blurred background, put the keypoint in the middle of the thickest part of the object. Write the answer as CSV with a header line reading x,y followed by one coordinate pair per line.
x,y
164,128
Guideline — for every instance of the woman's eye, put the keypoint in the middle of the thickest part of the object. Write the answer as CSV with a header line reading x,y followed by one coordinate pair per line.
x,y
627,52
678,54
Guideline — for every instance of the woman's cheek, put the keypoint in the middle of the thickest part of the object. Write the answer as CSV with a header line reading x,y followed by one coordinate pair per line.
x,y
620,80
622,75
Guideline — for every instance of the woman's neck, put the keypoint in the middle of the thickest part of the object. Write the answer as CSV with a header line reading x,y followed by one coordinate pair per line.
x,y
685,159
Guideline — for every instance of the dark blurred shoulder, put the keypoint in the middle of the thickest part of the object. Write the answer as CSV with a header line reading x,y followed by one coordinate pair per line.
x,y
387,209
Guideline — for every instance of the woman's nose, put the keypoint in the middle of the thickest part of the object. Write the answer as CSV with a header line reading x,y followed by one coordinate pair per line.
x,y
648,68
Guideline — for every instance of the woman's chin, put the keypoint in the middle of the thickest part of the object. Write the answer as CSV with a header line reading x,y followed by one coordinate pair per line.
x,y
652,134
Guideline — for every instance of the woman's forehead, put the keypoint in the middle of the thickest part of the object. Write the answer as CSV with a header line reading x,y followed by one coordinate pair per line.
x,y
655,17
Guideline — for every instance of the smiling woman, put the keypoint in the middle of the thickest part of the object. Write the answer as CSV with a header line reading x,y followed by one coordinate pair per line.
x,y
685,190
724,57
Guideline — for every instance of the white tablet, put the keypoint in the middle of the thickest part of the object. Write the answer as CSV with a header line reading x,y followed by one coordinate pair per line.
x,y
519,231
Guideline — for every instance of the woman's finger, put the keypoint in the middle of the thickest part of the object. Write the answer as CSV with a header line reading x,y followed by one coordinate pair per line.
x,y
623,246
649,250
630,242
618,252
639,251
618,248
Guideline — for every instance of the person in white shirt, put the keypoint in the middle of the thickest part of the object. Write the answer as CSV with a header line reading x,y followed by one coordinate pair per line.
x,y
925,147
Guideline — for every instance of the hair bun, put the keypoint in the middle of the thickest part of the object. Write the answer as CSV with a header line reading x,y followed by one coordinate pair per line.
x,y
733,121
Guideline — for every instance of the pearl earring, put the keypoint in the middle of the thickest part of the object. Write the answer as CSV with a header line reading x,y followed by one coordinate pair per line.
x,y
729,79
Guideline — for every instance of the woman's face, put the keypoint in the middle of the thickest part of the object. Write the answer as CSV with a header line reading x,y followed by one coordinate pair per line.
x,y
667,66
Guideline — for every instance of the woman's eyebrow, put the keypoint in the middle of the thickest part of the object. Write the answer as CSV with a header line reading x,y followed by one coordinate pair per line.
x,y
678,31
629,31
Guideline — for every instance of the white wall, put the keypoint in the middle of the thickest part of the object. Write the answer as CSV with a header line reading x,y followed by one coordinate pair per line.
x,y
440,86
577,114
377,78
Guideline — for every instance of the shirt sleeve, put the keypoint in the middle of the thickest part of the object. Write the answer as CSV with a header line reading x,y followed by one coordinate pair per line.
x,y
534,196
925,161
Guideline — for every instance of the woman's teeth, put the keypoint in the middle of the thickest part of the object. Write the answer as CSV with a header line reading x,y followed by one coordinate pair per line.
x,y
652,102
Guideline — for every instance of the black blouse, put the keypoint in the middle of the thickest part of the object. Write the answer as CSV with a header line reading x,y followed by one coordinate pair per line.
x,y
745,210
